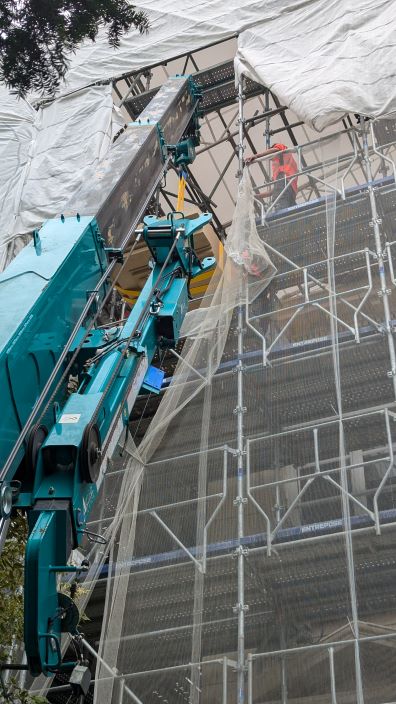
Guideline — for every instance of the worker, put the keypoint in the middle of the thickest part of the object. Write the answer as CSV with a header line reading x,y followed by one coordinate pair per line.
x,y
251,262
284,169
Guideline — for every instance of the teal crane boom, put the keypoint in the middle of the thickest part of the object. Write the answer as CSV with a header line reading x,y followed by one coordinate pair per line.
x,y
53,468
71,461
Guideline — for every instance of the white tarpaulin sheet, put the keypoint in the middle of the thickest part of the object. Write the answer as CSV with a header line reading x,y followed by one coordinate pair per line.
x,y
175,29
322,58
46,155
325,58
16,130
71,135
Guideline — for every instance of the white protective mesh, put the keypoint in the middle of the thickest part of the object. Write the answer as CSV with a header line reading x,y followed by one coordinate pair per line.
x,y
298,357
246,273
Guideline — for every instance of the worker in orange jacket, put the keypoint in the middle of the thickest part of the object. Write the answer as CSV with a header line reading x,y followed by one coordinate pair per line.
x,y
284,169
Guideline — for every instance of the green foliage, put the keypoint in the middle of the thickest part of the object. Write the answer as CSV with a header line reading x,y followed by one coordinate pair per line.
x,y
37,35
12,694
11,606
11,581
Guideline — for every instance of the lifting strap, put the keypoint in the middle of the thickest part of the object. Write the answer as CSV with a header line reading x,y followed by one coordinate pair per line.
x,y
180,192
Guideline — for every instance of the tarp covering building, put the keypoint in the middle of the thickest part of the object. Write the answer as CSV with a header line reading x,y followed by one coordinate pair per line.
x,y
322,58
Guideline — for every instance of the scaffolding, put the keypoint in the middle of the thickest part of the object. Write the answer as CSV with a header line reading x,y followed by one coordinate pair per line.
x,y
254,561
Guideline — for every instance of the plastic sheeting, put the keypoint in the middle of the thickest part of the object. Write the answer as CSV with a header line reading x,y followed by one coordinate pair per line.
x,y
325,58
16,131
47,155
175,29
322,58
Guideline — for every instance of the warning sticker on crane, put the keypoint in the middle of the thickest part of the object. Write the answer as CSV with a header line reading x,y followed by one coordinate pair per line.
x,y
69,418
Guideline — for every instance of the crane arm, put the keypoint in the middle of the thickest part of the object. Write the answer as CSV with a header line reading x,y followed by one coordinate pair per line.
x,y
55,439
71,462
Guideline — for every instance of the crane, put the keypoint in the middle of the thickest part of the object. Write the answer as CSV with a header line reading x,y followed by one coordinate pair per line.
x,y
69,385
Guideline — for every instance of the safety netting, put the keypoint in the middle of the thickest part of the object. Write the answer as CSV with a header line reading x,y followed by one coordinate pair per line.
x,y
168,502
251,532
254,556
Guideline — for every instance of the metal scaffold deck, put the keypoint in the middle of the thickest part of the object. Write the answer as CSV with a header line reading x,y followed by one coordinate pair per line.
x,y
217,85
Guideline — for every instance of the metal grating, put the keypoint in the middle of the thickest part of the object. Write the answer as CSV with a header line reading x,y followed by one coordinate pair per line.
x,y
385,132
218,89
